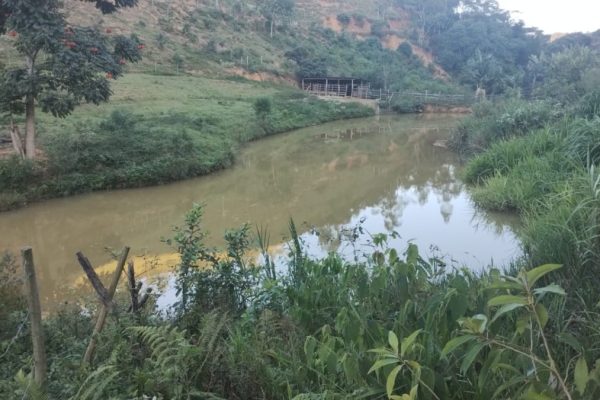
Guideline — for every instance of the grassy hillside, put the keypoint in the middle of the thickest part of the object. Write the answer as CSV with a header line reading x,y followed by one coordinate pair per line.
x,y
231,37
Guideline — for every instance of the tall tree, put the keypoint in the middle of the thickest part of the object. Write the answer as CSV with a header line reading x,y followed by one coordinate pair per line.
x,y
274,10
62,65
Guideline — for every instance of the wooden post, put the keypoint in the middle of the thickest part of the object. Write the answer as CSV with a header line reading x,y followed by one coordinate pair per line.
x,y
35,315
326,86
104,308
133,287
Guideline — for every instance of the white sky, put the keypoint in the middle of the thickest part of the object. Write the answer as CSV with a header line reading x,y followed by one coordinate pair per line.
x,y
554,16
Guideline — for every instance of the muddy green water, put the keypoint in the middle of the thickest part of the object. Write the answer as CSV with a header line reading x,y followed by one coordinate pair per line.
x,y
382,173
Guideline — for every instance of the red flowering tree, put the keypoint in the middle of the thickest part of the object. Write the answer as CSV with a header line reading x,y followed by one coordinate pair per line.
x,y
63,65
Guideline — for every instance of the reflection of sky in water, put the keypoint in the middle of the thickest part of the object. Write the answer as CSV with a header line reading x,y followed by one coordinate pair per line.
x,y
461,235
438,217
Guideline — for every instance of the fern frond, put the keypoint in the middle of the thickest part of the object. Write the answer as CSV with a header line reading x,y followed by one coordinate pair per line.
x,y
94,385
29,389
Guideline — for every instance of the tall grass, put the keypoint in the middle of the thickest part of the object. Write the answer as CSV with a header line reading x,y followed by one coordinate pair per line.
x,y
319,328
495,121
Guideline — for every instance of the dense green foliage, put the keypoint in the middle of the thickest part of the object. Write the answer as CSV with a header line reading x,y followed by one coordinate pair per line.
x,y
475,41
540,159
393,326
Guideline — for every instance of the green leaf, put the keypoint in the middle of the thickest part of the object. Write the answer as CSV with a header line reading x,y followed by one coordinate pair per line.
x,y
507,299
535,274
550,289
523,324
382,363
393,341
570,340
532,394
582,375
407,342
542,314
506,309
456,343
470,357
506,285
391,380
413,392
412,254
309,347
476,324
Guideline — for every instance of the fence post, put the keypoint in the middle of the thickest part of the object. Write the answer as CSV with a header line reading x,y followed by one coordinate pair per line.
x,y
104,308
35,315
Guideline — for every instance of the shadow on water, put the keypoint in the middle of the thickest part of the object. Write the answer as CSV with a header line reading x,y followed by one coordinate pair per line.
x,y
382,171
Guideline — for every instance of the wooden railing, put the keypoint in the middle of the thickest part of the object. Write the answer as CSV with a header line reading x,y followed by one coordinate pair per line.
x,y
364,92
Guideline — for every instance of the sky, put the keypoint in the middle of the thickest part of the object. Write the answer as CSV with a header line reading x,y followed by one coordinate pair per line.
x,y
556,16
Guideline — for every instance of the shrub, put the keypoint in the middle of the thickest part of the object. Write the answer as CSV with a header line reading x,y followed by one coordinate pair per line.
x,y
344,19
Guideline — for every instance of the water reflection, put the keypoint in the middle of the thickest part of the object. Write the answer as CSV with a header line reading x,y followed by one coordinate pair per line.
x,y
383,170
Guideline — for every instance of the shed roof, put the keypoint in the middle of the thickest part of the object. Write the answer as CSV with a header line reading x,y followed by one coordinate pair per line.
x,y
333,78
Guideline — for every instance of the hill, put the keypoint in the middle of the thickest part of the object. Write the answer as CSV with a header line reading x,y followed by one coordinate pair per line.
x,y
216,73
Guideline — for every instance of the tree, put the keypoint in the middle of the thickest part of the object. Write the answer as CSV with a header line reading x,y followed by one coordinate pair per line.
x,y
63,65
276,9
565,76
178,61
484,72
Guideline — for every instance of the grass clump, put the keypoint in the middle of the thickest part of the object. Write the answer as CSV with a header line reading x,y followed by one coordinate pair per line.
x,y
493,122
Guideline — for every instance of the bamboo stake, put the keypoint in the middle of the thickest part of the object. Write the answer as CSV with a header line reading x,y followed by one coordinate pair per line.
x,y
35,315
105,308
133,287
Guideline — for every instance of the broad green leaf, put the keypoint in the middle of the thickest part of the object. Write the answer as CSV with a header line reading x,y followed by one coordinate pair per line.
x,y
309,347
382,363
470,357
542,314
412,254
506,367
532,394
506,309
393,341
570,340
408,341
413,392
476,324
455,343
535,274
550,289
507,299
523,324
506,285
582,375
391,380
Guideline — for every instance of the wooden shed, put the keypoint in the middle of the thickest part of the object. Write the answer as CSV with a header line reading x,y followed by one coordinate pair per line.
x,y
336,86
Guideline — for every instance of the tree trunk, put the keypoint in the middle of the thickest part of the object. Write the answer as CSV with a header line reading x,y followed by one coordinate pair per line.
x,y
30,116
15,137
272,25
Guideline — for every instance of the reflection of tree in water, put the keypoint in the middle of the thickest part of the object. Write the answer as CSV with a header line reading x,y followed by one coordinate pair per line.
x,y
442,184
496,222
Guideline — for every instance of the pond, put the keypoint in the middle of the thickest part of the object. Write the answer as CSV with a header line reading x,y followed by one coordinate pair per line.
x,y
376,175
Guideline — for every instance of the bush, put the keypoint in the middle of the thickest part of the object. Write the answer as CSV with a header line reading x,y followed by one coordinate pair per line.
x,y
492,122
344,19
